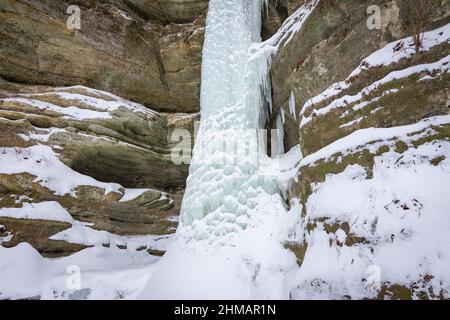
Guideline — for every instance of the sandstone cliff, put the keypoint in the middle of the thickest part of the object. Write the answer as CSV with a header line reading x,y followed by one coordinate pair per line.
x,y
151,59
116,50
333,82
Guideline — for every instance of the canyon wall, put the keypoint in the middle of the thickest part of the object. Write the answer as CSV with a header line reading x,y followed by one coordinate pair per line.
x,y
367,106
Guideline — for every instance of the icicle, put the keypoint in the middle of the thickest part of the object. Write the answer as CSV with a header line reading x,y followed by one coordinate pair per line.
x,y
280,134
292,105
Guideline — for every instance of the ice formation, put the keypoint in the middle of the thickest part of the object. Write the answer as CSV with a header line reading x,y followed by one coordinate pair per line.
x,y
228,244
223,174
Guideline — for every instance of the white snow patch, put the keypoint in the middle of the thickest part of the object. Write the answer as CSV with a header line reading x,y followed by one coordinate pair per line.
x,y
42,137
403,209
50,172
364,136
131,194
385,56
82,233
49,210
234,220
105,273
69,112
351,123
441,66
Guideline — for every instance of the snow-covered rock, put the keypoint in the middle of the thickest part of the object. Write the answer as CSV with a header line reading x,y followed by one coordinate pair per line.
x,y
372,118
59,145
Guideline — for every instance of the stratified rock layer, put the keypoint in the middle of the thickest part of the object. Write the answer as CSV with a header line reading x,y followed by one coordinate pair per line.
x,y
99,135
179,11
115,50
332,85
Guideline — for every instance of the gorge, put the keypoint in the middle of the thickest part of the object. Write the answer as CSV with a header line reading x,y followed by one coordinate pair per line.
x,y
320,168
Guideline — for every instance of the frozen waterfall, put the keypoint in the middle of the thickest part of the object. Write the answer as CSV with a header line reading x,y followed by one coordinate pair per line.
x,y
229,149
233,216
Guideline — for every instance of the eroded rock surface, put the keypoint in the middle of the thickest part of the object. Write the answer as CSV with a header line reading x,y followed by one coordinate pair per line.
x,y
179,11
98,135
371,116
332,43
115,50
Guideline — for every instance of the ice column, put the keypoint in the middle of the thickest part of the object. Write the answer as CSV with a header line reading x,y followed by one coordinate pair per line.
x,y
225,170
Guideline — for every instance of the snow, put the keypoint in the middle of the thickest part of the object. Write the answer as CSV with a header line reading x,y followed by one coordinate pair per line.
x,y
389,54
231,100
103,103
131,194
234,223
49,210
234,218
364,104
42,137
255,266
288,167
42,162
364,137
106,273
385,56
103,273
6,236
280,133
441,66
292,105
173,219
351,123
403,209
70,112
82,233
263,54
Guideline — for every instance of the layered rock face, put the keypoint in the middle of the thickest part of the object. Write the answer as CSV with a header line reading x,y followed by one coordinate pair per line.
x,y
116,50
145,51
85,136
113,153
179,11
135,149
333,82
333,43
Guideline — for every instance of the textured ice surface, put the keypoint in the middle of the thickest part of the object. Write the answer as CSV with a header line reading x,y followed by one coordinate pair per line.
x,y
233,217
224,172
